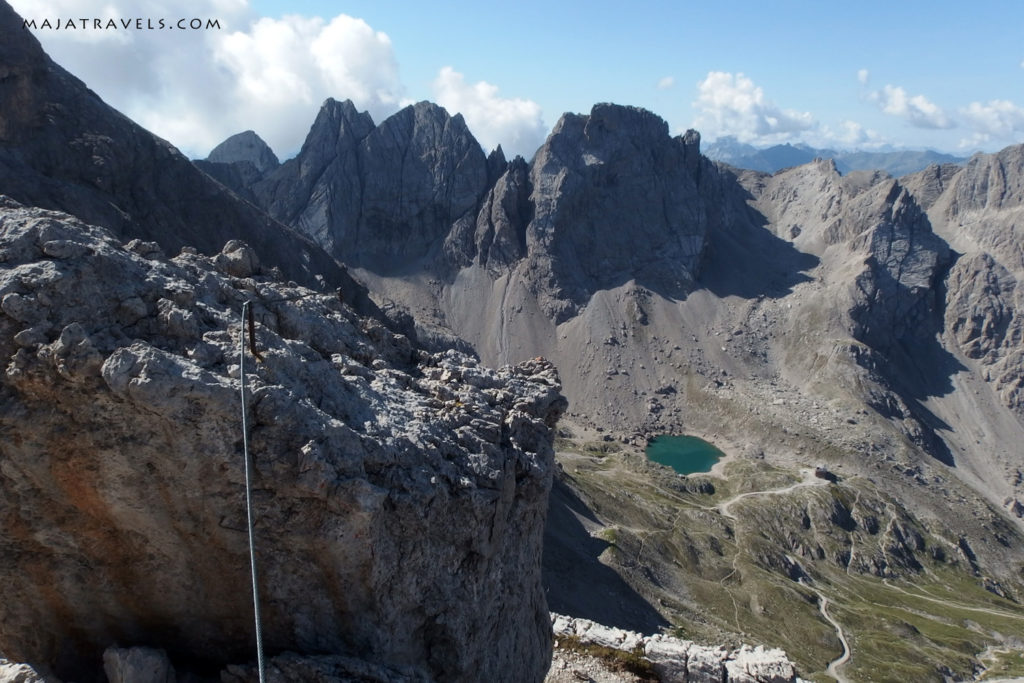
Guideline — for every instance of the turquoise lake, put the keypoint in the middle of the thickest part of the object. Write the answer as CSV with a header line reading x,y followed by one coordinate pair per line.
x,y
684,454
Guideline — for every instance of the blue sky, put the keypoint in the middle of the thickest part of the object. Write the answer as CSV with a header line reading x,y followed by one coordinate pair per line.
x,y
941,75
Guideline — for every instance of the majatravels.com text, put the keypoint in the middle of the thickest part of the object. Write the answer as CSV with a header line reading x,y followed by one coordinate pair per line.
x,y
137,24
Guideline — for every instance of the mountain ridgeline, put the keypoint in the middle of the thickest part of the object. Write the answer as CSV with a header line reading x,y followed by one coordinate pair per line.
x,y
572,254
851,320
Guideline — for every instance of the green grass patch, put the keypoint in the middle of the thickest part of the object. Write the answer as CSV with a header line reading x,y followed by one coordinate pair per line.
x,y
626,661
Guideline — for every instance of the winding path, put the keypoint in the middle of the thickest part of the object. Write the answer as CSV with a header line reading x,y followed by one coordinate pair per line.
x,y
833,666
954,605
808,480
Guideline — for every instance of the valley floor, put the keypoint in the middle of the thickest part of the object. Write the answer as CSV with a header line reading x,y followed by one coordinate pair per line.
x,y
650,550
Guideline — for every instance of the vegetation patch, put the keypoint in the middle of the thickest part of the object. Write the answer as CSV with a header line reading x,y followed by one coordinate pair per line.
x,y
623,661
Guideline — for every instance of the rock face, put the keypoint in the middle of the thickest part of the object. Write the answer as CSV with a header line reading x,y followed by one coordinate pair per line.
x,y
416,193
603,184
871,224
381,197
399,496
980,210
18,673
63,148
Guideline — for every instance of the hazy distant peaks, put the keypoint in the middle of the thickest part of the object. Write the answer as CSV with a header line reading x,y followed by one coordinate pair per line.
x,y
771,159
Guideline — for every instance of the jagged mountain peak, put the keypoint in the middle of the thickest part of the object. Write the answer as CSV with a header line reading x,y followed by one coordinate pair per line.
x,y
428,123
336,124
993,181
607,125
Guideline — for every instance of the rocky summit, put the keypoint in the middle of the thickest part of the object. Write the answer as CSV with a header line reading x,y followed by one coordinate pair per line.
x,y
399,496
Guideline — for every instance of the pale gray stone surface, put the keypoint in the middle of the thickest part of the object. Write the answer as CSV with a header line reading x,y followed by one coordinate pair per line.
x,y
11,672
682,661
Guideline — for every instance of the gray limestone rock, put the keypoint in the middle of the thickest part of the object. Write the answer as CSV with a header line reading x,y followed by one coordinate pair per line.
x,y
240,162
614,199
682,661
981,208
894,296
400,496
319,191
381,197
499,241
21,673
245,147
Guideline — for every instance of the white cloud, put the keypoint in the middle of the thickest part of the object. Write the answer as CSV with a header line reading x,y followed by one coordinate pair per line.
x,y
196,88
852,135
731,104
516,124
279,71
862,76
666,83
918,110
999,120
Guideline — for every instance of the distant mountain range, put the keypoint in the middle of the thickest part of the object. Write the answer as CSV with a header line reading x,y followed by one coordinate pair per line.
x,y
777,157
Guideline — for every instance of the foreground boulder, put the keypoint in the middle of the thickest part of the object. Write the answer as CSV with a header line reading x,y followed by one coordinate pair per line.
x,y
399,496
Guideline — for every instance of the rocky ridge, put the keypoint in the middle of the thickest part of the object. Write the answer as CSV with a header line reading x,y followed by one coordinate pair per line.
x,y
384,196
375,465
674,660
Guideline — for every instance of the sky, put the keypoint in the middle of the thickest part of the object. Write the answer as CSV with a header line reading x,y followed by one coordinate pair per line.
x,y
942,75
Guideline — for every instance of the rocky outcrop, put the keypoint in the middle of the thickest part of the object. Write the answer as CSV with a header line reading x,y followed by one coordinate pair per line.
x,y
885,258
682,661
980,211
18,673
380,197
894,297
63,148
399,496
321,186
499,240
614,199
417,193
